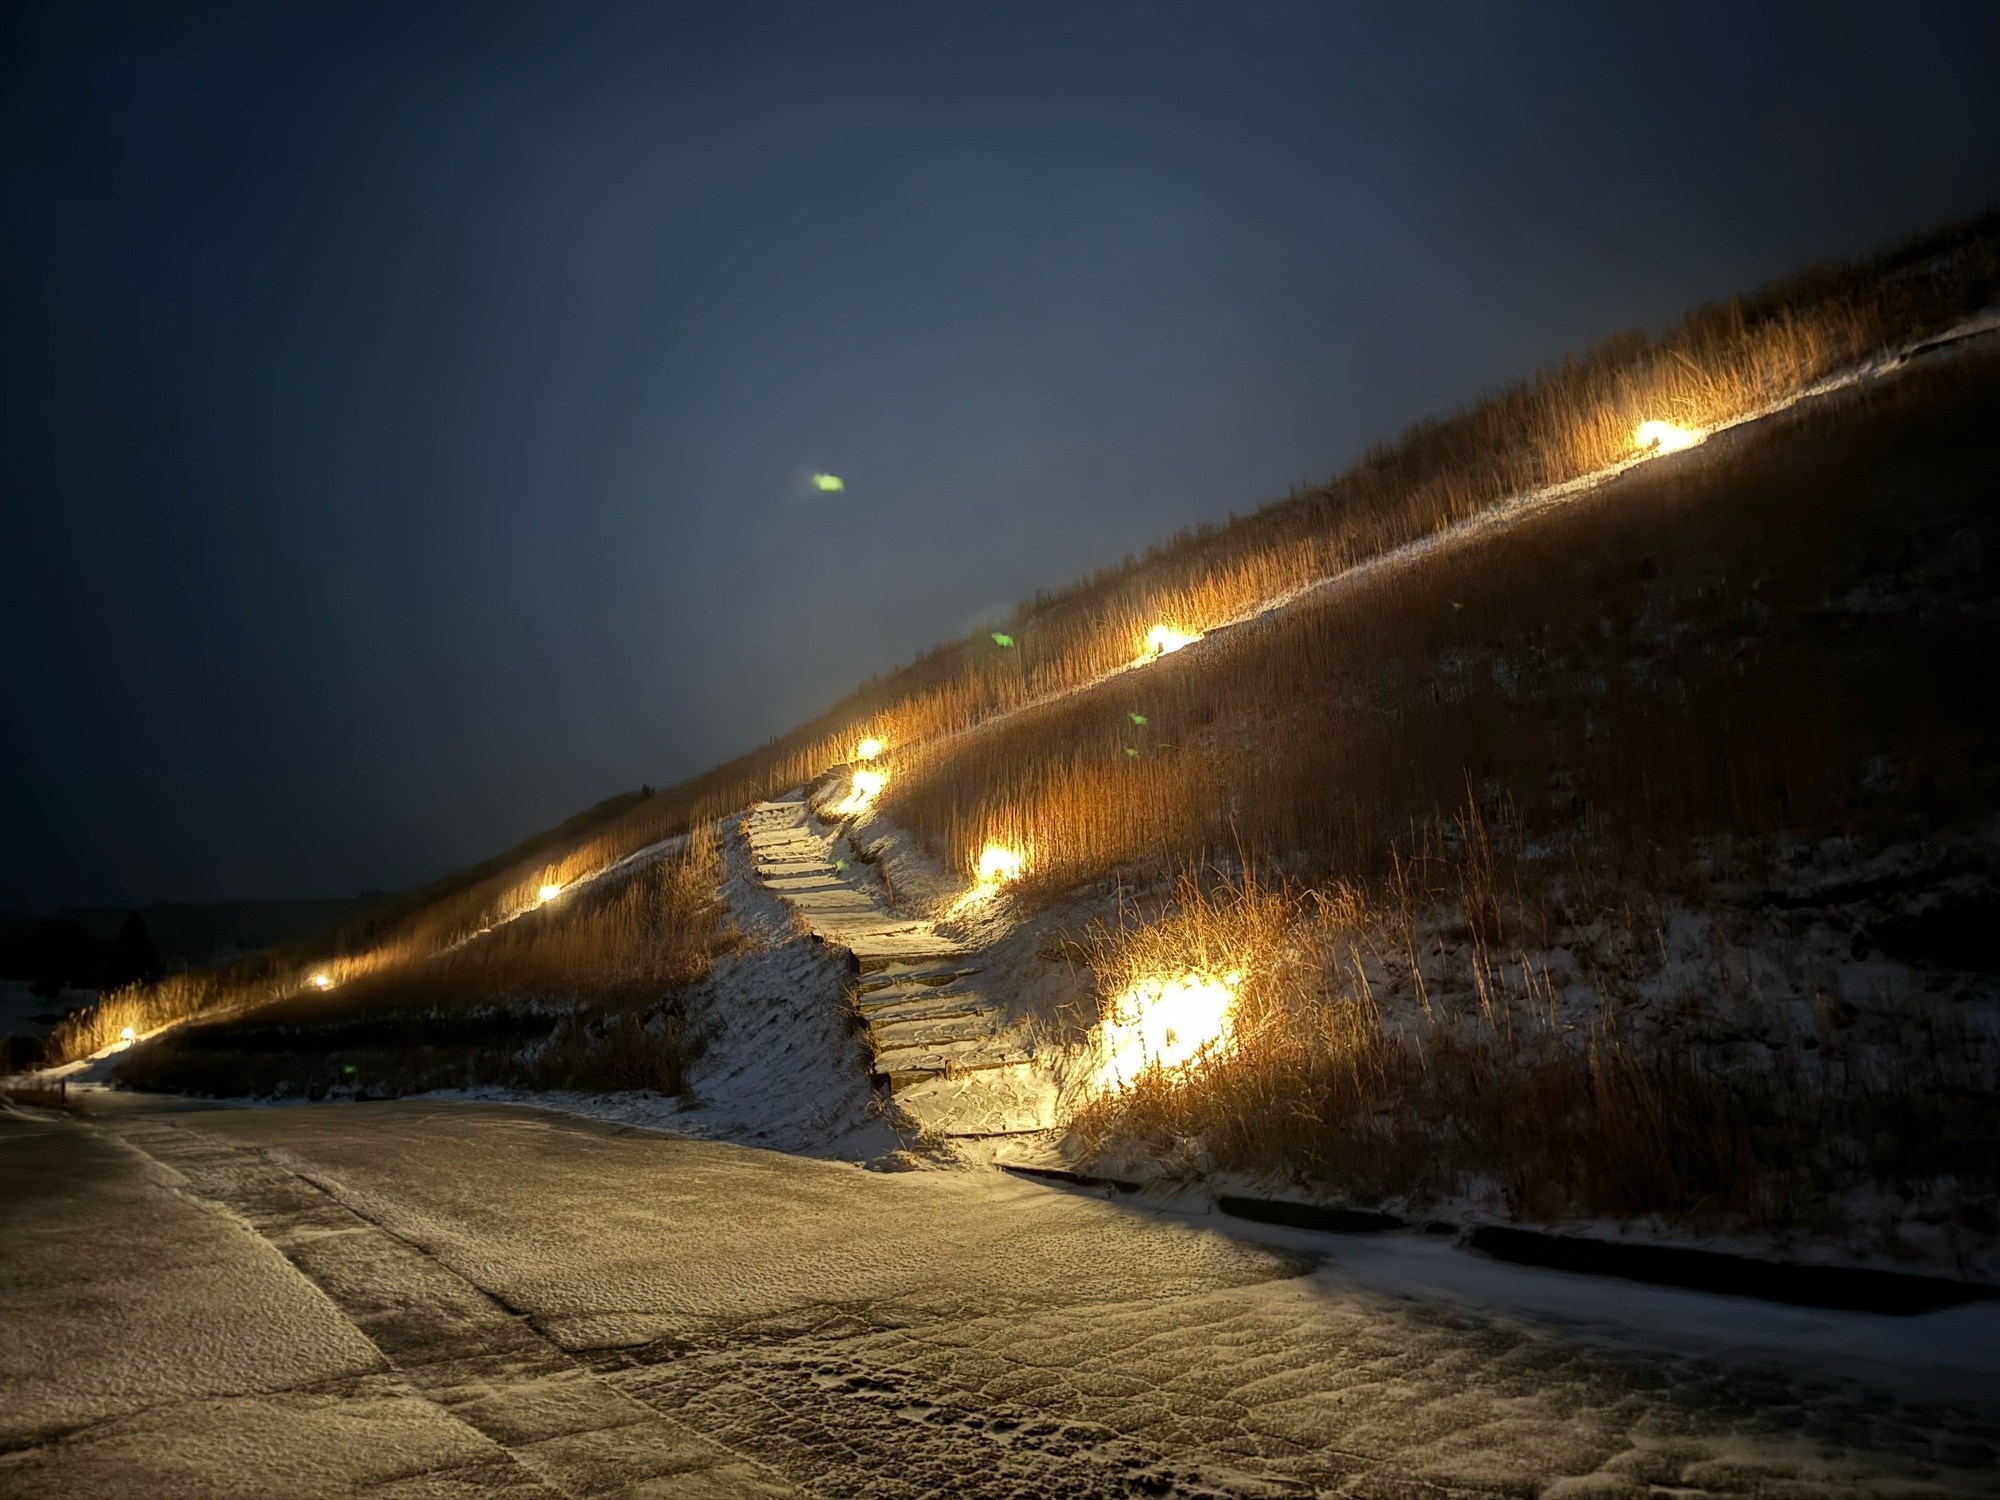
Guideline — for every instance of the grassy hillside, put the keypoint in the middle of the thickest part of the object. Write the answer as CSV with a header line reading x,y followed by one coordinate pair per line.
x,y
1779,632
1087,806
584,992
1638,862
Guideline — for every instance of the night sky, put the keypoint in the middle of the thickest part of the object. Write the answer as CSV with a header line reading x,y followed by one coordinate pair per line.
x,y
409,413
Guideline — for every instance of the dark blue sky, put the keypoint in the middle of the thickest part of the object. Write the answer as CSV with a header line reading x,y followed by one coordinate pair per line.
x,y
408,411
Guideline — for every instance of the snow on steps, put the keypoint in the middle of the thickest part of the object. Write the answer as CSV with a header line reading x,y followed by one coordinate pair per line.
x,y
943,1048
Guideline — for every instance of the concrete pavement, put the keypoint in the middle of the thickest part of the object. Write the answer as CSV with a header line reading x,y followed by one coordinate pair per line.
x,y
424,1298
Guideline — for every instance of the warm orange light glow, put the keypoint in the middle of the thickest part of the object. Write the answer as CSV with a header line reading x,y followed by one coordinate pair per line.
x,y
868,749
550,891
861,794
322,981
128,1034
1664,437
1162,639
1166,1021
997,863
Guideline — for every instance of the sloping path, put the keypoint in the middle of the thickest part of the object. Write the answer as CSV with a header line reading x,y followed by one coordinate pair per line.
x,y
943,1047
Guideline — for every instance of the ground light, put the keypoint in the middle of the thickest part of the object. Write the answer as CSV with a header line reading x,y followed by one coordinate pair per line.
x,y
550,891
1664,437
998,863
128,1035
861,794
1162,639
322,981
868,749
1166,1021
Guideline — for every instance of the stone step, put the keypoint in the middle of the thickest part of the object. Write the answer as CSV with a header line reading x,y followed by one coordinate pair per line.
x,y
940,1045
992,1050
885,938
925,979
908,965
880,1012
999,1101
843,898
935,1032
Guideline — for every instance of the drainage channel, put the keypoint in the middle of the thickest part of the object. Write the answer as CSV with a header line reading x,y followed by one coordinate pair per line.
x,y
1836,1288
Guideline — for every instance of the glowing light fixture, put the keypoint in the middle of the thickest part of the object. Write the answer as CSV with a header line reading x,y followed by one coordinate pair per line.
x,y
1162,639
127,1035
998,863
828,484
1664,437
868,749
550,891
322,981
861,794
1166,1021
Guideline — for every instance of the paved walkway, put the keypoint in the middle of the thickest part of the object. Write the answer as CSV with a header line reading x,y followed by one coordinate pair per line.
x,y
943,1047
425,1299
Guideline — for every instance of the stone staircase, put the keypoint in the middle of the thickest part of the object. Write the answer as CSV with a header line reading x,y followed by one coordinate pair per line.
x,y
943,1048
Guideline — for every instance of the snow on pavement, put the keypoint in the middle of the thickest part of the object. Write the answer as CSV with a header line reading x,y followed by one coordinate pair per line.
x,y
776,1325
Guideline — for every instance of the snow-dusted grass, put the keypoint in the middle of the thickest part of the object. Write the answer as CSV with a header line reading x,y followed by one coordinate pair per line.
x,y
589,992
1560,434
686,998
1710,945
1498,1049
1764,636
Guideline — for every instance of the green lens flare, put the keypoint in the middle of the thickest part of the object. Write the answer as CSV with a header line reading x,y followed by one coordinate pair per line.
x,y
1136,718
1001,638
829,482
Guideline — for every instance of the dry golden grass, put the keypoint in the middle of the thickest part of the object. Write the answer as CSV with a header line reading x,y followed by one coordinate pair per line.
x,y
1725,644
1481,1083
1779,642
1720,362
588,992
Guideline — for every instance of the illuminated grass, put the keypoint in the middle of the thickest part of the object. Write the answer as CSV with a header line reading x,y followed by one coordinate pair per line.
x,y
1675,661
585,994
1489,1090
1719,363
